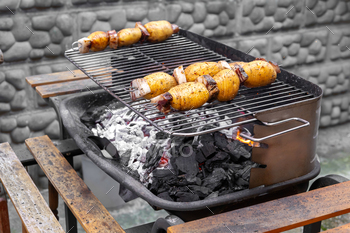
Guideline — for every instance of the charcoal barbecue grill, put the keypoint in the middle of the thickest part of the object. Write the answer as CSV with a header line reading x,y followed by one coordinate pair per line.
x,y
285,115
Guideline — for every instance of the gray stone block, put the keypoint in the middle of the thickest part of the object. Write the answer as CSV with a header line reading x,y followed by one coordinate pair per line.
x,y
56,35
215,7
224,18
7,40
76,2
19,102
231,28
337,101
118,19
40,39
2,77
212,21
36,54
18,135
197,28
336,112
173,12
185,21
58,3
293,49
104,15
345,104
230,8
7,92
257,15
43,70
331,81
6,24
248,7
53,50
12,4
270,8
199,12
343,117
4,137
16,77
157,12
220,31
43,22
23,120
40,120
26,4
64,23
53,130
43,3
101,26
187,7
4,107
325,121
7,124
136,13
208,33
19,51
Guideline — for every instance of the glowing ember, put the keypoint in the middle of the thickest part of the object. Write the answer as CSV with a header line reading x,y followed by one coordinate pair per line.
x,y
246,141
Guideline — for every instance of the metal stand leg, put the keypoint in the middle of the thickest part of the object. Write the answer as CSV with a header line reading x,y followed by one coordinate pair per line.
x,y
53,200
320,183
4,216
71,221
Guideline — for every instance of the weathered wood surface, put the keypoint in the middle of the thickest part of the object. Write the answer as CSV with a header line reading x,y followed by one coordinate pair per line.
x,y
278,215
64,88
87,209
4,217
341,229
59,77
30,205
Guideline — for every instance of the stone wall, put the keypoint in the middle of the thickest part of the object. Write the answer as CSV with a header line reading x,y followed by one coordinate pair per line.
x,y
308,37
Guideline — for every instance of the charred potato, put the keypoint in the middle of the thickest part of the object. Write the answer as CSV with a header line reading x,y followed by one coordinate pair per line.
x,y
192,72
99,41
189,96
129,36
260,73
159,31
228,83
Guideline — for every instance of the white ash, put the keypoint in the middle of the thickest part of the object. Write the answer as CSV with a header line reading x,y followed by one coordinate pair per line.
x,y
126,130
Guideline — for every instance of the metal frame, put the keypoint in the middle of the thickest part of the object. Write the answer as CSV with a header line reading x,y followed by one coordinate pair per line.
x,y
113,70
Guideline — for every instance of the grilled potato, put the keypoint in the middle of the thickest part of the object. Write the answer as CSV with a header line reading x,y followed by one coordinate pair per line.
x,y
260,73
192,72
159,83
227,82
189,96
152,85
99,41
129,36
241,63
159,31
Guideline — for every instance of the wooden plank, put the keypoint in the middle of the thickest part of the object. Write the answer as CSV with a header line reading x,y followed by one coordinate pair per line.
x,y
59,77
4,217
87,209
30,205
278,215
66,88
340,229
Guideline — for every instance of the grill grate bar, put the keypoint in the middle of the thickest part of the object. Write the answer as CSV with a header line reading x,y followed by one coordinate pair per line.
x,y
113,70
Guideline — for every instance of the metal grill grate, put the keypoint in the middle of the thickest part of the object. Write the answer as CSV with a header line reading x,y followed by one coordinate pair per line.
x,y
113,70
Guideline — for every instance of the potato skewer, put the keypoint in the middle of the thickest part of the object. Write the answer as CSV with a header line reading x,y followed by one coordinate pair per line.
x,y
156,31
152,85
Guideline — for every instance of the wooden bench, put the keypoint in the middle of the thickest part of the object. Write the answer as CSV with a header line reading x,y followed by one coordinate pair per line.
x,y
87,209
31,207
277,215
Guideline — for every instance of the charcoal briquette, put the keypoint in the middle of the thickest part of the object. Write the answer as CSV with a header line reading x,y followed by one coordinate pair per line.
x,y
208,149
186,197
187,165
199,156
161,173
217,158
242,182
201,191
220,140
165,196
215,179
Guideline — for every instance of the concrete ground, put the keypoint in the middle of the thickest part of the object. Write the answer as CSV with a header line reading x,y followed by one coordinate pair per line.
x,y
333,149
